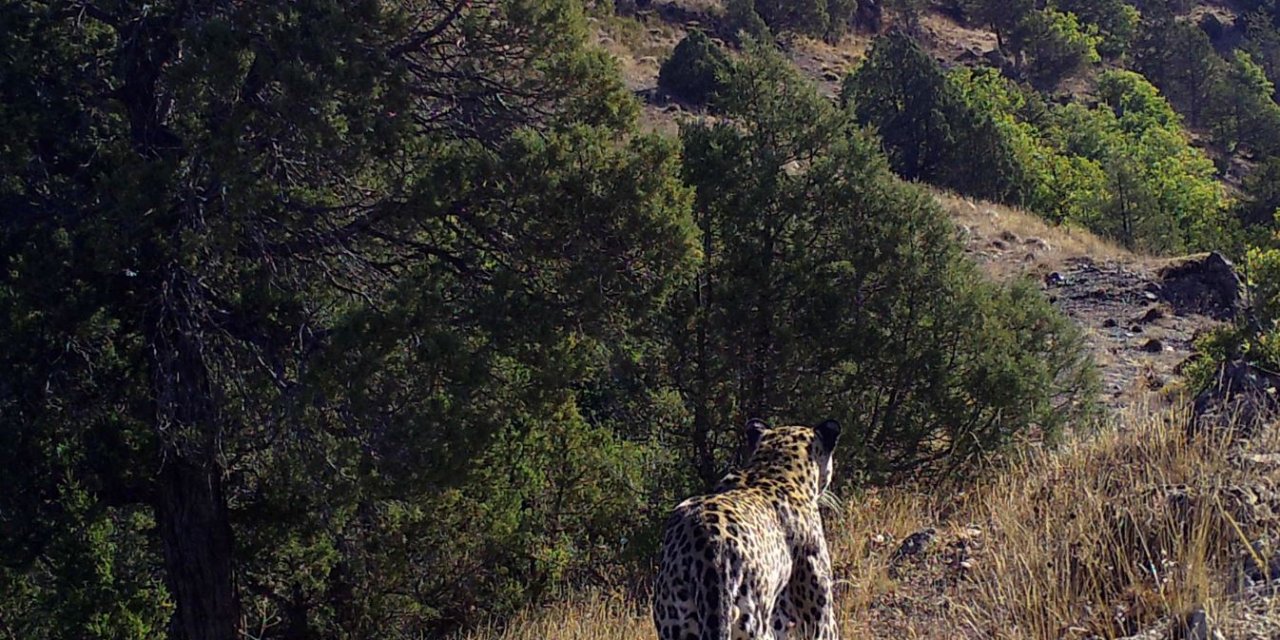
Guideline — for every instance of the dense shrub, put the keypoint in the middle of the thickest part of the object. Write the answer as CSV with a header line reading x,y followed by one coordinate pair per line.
x,y
1125,168
928,130
696,69
835,289
1052,45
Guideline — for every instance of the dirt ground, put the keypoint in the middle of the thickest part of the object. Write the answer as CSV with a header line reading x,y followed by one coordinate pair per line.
x,y
1118,298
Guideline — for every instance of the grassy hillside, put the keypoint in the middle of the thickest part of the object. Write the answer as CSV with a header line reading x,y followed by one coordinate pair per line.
x,y
1118,532
1129,530
407,319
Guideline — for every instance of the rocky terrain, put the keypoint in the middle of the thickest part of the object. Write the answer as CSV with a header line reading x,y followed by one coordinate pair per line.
x,y
1141,314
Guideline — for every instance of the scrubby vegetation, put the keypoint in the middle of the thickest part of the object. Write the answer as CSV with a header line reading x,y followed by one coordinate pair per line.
x,y
1143,519
388,319
696,70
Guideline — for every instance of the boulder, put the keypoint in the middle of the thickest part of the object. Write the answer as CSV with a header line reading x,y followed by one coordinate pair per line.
x,y
913,545
1242,398
1152,314
1206,284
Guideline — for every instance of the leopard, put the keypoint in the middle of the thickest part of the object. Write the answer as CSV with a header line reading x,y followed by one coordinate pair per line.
x,y
749,561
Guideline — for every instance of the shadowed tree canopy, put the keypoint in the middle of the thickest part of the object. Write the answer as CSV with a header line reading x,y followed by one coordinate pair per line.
x,y
203,202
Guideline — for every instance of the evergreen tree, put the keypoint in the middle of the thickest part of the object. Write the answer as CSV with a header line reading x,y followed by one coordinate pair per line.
x,y
1050,45
696,69
829,287
1177,57
929,132
1116,21
1261,195
1242,111
219,221
1001,16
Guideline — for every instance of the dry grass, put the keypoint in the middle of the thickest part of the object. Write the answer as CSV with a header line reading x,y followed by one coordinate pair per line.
x,y
579,617
1047,244
639,43
1106,536
827,63
1102,539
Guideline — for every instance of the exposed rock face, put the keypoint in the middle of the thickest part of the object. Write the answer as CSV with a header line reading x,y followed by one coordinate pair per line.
x,y
1206,284
1243,398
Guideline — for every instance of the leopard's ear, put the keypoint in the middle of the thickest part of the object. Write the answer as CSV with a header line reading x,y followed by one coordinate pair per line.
x,y
755,431
829,433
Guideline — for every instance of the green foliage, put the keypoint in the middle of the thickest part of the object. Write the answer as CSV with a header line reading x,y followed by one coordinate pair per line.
x,y
696,69
1242,111
821,18
929,132
1177,57
1052,45
362,331
742,19
1262,41
1058,186
1255,338
833,288
1124,168
1002,16
1162,195
387,317
1262,267
1261,198
1116,22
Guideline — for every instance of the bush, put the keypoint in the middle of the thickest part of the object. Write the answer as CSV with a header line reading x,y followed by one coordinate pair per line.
x,y
1053,45
1125,169
929,132
837,289
696,69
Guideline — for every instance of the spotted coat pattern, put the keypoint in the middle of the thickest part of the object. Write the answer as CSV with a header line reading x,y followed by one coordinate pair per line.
x,y
749,561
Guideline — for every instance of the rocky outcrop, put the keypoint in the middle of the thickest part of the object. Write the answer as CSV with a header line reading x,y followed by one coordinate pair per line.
x,y
1206,284
1242,398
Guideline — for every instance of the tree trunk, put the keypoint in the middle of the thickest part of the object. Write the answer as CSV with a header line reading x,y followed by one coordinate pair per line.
x,y
196,534
191,507
705,457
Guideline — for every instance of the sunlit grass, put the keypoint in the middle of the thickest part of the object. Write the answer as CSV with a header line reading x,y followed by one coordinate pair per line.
x,y
1104,536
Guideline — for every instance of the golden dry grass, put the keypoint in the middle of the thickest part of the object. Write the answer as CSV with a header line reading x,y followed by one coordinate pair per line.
x,y
1105,536
984,222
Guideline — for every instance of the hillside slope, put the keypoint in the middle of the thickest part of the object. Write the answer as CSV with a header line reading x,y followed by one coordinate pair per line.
x,y
1129,533
1132,531
1140,320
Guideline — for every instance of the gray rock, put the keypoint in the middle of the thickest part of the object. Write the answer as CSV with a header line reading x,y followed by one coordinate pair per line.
x,y
1152,314
1206,284
1194,626
913,545
1242,398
